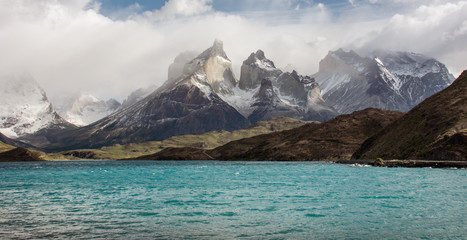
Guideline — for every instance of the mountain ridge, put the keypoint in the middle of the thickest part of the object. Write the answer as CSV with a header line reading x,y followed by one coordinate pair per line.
x,y
386,80
436,129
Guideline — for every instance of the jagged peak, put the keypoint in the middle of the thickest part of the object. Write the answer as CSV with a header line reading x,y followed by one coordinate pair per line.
x,y
217,49
294,74
260,54
259,59
266,90
345,55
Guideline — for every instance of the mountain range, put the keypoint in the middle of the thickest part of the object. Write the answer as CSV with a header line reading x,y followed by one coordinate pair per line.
x,y
386,80
435,129
202,94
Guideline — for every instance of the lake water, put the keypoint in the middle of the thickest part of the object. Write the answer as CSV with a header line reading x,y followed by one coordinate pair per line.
x,y
229,200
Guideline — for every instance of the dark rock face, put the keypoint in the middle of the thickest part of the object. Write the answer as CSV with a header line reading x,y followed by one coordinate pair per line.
x,y
256,68
81,154
186,153
290,84
289,94
19,155
433,130
268,105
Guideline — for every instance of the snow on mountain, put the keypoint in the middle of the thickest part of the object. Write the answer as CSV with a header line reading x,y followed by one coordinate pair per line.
x,y
24,107
87,109
187,104
385,80
298,95
268,105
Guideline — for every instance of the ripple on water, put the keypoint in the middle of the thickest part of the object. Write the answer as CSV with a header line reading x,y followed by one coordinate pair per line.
x,y
228,200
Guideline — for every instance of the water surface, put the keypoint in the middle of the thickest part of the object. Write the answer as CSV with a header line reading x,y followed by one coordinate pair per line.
x,y
227,200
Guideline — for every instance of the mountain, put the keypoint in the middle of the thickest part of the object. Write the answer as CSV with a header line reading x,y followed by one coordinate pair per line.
x,y
25,108
386,80
138,95
336,139
436,129
86,109
268,105
186,105
268,92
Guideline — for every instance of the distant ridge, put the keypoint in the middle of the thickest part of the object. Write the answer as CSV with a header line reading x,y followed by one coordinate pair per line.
x,y
386,80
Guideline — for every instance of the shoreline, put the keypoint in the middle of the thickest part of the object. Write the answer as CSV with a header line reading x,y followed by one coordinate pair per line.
x,y
373,163
408,163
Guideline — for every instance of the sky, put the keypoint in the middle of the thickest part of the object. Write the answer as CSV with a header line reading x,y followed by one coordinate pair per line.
x,y
109,48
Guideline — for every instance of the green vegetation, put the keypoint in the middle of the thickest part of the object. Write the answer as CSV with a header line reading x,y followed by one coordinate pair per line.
x,y
5,147
379,162
208,140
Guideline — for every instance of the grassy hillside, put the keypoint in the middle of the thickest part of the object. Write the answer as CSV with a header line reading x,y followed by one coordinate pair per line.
x,y
208,140
5,147
333,140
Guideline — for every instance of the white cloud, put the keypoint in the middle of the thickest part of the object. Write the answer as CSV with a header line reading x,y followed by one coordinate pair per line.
x,y
180,8
68,46
437,29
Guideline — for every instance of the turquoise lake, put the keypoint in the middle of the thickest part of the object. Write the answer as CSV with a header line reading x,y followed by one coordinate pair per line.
x,y
229,200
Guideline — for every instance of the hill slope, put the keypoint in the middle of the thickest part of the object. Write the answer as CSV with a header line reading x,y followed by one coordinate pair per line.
x,y
333,140
436,129
207,140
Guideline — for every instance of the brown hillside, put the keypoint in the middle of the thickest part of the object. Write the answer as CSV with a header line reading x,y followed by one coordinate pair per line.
x,y
436,129
20,155
333,140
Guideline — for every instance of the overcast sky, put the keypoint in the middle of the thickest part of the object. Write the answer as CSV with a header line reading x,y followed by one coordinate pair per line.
x,y
111,47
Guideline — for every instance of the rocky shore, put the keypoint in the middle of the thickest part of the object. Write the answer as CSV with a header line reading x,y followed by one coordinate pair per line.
x,y
408,163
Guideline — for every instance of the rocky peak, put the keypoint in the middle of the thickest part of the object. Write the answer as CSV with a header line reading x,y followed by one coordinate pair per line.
x,y
255,68
217,49
266,90
341,61
294,74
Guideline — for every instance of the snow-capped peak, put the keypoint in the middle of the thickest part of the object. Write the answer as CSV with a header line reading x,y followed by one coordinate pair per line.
x,y
259,60
381,79
86,109
24,107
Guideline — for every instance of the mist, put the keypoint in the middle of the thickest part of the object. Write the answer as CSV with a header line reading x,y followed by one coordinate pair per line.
x,y
70,47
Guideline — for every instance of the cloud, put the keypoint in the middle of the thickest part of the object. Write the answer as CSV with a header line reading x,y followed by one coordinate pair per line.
x,y
180,8
68,46
438,29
